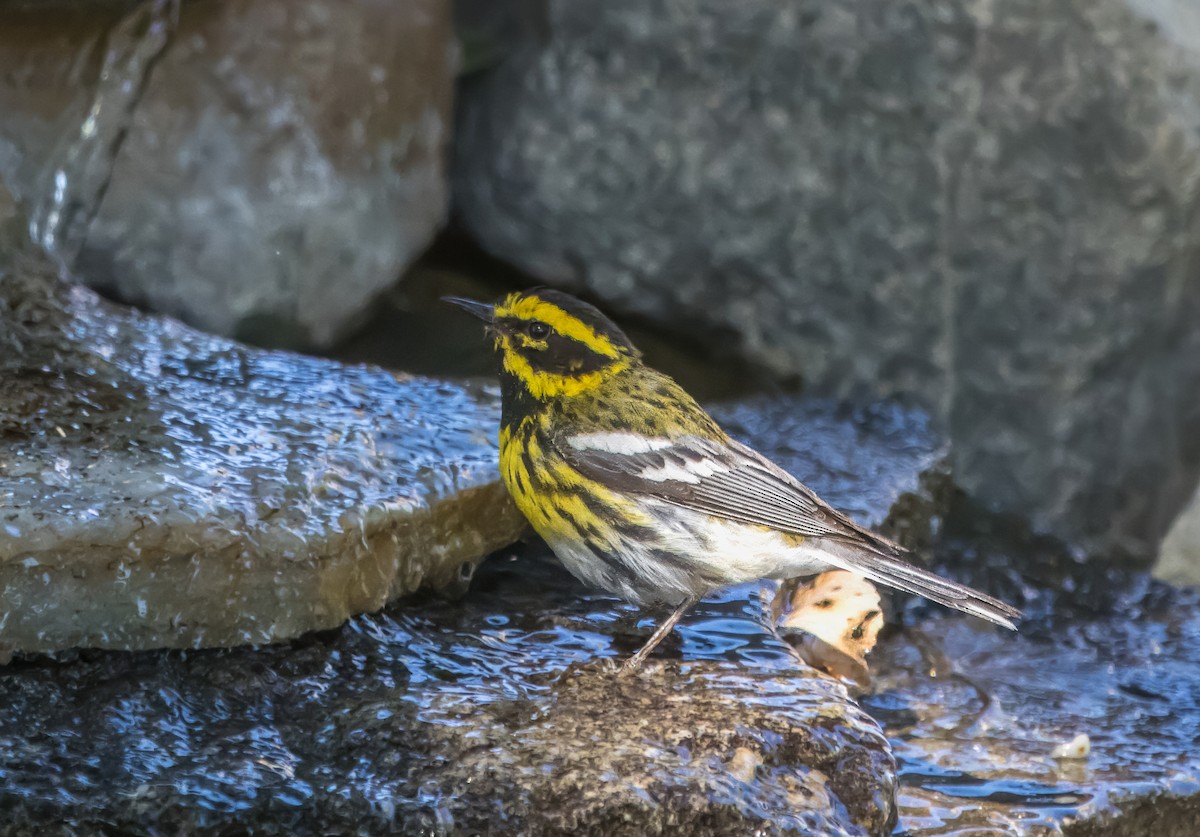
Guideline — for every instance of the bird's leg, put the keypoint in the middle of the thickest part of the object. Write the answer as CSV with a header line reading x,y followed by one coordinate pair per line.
x,y
635,662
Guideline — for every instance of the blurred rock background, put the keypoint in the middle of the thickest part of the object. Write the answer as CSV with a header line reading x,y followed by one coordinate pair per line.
x,y
986,207
261,169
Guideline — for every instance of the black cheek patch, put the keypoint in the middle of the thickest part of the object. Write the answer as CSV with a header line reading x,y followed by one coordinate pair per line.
x,y
565,356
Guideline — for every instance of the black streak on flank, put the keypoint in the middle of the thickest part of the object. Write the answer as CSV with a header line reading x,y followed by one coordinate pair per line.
x,y
616,566
690,568
527,461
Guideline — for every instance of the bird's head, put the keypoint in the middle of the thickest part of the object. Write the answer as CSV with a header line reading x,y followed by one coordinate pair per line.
x,y
551,344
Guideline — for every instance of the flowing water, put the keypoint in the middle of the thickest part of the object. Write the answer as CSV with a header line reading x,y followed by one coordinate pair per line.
x,y
975,716
393,721
372,723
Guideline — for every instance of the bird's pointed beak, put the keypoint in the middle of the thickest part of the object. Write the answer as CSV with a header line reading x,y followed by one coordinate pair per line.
x,y
482,310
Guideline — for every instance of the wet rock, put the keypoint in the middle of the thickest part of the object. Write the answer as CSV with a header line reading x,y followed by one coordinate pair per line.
x,y
1179,558
262,169
496,713
1082,722
656,755
160,487
487,715
974,719
988,206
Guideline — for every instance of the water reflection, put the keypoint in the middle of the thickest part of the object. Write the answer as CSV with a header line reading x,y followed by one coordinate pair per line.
x,y
358,722
974,716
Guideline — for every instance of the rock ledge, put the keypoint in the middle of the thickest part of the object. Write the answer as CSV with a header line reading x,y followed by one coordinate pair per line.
x,y
163,488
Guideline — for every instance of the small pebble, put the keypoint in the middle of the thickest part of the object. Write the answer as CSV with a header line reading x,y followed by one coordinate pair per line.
x,y
1078,747
744,763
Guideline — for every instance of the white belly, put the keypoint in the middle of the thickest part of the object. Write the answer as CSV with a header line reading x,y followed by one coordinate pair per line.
x,y
692,554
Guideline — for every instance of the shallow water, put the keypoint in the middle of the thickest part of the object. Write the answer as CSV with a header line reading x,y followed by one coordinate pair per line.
x,y
974,715
368,724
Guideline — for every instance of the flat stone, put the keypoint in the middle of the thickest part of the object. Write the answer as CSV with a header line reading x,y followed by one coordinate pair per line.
x,y
987,206
258,168
496,713
163,488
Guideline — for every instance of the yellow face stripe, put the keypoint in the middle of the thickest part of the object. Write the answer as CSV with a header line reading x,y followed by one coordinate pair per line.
x,y
532,308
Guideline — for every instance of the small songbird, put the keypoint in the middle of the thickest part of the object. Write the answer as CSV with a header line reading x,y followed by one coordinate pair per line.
x,y
638,491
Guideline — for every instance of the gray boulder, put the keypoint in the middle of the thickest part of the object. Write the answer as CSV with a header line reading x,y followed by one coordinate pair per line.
x,y
989,207
163,488
259,169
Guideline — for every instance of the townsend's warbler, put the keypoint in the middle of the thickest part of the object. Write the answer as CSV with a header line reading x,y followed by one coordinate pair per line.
x,y
640,493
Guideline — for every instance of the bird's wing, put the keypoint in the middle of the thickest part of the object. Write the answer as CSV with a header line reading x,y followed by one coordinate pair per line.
x,y
730,480
723,478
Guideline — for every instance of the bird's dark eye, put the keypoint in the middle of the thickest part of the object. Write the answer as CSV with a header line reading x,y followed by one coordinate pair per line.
x,y
538,330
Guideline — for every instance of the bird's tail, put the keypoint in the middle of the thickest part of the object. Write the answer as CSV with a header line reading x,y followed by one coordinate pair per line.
x,y
892,571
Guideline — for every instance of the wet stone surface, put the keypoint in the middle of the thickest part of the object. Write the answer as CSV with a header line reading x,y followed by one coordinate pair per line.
x,y
159,487
495,713
487,715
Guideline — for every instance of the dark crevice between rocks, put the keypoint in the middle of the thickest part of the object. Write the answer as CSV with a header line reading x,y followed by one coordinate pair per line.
x,y
411,330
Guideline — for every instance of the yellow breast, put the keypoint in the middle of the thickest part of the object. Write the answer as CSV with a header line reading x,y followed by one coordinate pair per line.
x,y
558,502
